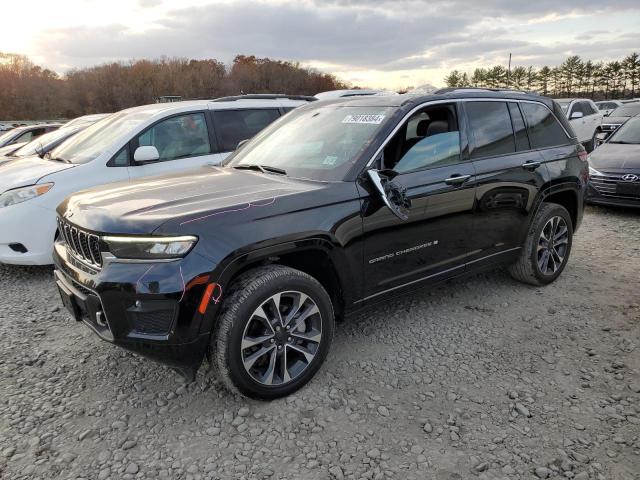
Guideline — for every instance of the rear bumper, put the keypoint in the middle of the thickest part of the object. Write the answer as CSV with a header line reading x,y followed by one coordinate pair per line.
x,y
144,308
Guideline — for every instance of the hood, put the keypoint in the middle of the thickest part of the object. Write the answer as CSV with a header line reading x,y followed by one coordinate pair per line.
x,y
5,151
20,172
614,120
616,158
143,206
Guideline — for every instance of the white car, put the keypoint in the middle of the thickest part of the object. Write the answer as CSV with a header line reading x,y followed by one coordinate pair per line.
x,y
162,138
26,133
585,118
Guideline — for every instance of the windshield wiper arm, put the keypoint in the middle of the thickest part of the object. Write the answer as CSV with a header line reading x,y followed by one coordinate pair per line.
x,y
260,168
58,159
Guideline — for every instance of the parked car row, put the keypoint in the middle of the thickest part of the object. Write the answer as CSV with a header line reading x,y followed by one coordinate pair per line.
x,y
175,236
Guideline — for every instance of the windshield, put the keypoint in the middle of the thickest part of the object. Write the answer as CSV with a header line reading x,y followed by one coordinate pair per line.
x,y
99,137
626,110
629,132
319,143
44,142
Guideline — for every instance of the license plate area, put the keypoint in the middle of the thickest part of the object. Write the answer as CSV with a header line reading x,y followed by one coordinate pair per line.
x,y
631,189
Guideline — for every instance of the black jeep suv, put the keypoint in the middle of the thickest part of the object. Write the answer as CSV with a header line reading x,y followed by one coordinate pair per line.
x,y
336,206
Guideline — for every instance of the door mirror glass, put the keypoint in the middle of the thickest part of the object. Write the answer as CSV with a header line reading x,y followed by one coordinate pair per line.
x,y
392,194
146,154
575,115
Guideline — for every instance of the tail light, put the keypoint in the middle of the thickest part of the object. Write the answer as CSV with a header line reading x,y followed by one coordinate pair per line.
x,y
582,153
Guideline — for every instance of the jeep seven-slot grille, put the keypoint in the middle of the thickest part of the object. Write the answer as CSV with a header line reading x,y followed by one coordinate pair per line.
x,y
84,245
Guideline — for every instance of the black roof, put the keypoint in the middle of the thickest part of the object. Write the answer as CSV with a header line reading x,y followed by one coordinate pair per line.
x,y
445,94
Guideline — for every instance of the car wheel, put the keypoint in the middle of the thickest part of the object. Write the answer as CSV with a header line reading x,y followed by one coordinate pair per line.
x,y
273,333
546,250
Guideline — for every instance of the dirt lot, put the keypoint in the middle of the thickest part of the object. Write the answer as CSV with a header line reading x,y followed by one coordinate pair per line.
x,y
480,378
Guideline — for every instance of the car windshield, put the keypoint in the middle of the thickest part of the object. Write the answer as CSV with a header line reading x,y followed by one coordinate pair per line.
x,y
628,133
628,110
44,142
319,143
99,137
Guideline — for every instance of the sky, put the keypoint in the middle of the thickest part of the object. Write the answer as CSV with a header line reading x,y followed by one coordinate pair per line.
x,y
375,43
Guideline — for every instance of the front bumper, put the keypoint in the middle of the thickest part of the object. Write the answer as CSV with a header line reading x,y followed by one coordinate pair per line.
x,y
31,225
147,308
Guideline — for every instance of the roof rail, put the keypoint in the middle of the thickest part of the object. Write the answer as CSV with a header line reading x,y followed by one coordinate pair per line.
x,y
265,96
443,91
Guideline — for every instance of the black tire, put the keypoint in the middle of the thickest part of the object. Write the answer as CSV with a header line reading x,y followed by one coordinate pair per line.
x,y
527,268
250,292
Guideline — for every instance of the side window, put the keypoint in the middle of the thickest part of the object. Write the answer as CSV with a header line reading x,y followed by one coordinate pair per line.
x,y
577,107
491,129
592,108
544,129
25,137
234,126
429,139
178,137
121,159
522,141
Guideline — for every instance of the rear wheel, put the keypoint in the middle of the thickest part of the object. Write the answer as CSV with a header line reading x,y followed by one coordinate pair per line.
x,y
546,250
274,332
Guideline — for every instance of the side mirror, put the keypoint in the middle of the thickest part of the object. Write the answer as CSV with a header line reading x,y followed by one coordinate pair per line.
x,y
575,115
146,154
241,143
393,195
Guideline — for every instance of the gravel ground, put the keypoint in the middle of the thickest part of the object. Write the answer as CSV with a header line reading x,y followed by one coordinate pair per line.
x,y
479,378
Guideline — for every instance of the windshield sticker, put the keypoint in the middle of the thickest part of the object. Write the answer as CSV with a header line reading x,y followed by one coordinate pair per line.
x,y
330,160
364,119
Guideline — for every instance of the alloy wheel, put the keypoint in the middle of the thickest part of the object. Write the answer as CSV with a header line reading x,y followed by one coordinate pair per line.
x,y
552,245
281,338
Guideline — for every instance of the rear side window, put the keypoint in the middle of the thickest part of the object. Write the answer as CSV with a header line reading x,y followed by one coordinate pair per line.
x,y
234,126
519,128
178,137
544,129
491,129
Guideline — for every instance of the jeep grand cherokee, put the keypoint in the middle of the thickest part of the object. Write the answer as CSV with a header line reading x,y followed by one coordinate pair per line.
x,y
336,206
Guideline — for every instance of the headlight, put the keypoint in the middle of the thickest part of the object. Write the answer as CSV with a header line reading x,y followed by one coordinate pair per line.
x,y
150,248
22,194
593,171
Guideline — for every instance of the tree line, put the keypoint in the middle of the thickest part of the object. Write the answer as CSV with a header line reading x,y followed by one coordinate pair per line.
x,y
574,77
30,92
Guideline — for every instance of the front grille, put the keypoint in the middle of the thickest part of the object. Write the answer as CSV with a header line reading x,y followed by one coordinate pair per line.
x,y
83,245
608,185
609,127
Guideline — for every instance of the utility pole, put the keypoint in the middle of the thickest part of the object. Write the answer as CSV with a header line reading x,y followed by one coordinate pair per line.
x,y
509,72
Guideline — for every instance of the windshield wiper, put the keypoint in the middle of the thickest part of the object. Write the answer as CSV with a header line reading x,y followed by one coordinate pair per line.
x,y
260,168
622,142
58,159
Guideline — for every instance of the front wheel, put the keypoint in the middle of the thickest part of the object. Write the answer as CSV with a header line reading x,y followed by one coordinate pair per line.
x,y
546,250
274,332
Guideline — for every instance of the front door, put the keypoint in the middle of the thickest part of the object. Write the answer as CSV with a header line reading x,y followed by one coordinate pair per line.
x,y
433,242
184,142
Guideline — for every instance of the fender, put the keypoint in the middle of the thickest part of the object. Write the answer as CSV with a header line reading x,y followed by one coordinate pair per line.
x,y
546,191
239,260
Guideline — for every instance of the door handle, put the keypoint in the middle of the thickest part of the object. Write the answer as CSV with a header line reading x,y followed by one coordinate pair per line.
x,y
530,165
457,179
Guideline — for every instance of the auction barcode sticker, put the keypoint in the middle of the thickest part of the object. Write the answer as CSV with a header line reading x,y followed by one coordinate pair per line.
x,y
370,119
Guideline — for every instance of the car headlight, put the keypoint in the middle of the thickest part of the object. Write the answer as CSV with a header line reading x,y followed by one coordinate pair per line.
x,y
150,248
593,171
22,194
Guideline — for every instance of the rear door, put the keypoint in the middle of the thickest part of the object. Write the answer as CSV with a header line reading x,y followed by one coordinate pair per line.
x,y
235,126
509,173
184,142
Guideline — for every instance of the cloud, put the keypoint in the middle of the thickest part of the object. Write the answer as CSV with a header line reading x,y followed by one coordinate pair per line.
x,y
355,35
